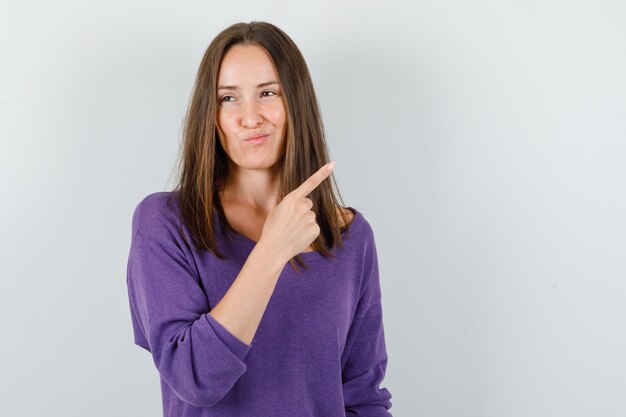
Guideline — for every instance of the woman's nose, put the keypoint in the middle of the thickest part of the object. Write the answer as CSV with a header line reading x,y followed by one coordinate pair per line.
x,y
251,116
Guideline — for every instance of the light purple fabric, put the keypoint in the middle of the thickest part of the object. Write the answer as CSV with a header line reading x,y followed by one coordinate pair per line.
x,y
319,350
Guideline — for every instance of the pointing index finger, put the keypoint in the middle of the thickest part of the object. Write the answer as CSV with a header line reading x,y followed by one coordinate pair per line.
x,y
314,180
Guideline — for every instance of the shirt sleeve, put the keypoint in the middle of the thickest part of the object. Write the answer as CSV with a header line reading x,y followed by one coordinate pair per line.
x,y
197,357
364,360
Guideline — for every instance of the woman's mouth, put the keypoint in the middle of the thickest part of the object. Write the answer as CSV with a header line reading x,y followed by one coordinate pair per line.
x,y
255,140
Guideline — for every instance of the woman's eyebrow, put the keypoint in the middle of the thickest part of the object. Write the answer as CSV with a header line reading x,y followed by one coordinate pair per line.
x,y
234,87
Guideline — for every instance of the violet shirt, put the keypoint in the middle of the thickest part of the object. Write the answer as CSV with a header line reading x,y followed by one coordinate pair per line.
x,y
319,350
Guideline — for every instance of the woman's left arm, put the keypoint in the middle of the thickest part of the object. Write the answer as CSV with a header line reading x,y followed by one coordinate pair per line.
x,y
364,359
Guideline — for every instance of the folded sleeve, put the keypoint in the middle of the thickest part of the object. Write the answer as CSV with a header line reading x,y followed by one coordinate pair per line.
x,y
197,357
364,360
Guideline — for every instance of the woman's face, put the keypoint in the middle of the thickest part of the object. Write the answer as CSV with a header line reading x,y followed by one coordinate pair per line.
x,y
250,103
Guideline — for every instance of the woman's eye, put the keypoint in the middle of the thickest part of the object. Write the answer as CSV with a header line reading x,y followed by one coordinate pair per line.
x,y
266,93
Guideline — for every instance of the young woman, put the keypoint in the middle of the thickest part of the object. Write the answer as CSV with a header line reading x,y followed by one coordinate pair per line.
x,y
231,330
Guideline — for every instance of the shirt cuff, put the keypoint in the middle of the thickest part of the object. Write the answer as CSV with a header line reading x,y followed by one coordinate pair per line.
x,y
238,347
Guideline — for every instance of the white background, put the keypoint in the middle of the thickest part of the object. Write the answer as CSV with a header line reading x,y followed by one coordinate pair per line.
x,y
484,141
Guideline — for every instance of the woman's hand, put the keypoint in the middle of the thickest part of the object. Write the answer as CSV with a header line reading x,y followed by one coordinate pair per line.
x,y
290,227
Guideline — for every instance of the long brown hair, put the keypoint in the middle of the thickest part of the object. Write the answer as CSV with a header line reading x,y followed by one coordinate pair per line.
x,y
203,168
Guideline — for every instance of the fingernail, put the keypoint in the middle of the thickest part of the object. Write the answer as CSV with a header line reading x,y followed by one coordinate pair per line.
x,y
331,166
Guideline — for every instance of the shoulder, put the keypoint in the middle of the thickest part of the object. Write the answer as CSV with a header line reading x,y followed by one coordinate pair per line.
x,y
154,210
361,248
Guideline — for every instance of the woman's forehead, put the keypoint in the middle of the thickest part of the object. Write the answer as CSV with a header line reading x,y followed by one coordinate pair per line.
x,y
246,67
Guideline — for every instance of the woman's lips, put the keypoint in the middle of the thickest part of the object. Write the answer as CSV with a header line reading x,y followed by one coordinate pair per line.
x,y
257,139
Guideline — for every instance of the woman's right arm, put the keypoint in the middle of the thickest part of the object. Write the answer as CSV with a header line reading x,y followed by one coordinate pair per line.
x,y
199,351
198,358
